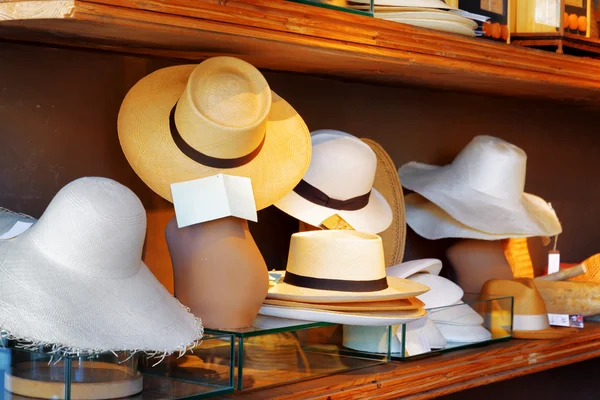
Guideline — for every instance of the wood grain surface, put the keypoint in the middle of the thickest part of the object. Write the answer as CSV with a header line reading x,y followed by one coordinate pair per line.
x,y
279,35
444,374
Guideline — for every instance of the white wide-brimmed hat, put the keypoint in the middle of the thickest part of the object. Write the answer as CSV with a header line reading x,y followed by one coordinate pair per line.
x,y
75,279
193,121
464,333
339,181
483,188
443,292
9,218
404,270
339,266
457,314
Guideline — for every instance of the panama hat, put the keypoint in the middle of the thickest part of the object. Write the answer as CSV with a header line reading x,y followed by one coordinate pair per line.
x,y
483,188
9,218
388,184
76,280
193,121
390,305
431,222
530,317
443,292
404,270
338,266
339,181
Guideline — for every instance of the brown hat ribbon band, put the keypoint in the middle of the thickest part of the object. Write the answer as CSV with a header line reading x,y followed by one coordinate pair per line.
x,y
340,285
204,159
316,196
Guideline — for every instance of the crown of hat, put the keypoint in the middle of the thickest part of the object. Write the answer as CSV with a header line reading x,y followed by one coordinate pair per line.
x,y
224,108
94,226
527,299
493,166
342,166
349,255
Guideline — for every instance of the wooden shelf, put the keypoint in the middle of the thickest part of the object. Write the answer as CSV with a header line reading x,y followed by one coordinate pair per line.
x,y
446,373
279,35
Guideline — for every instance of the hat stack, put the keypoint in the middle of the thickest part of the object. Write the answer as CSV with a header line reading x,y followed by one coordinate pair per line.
x,y
431,14
339,276
480,195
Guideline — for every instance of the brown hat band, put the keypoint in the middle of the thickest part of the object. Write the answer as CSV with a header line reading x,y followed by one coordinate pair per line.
x,y
204,159
340,285
316,196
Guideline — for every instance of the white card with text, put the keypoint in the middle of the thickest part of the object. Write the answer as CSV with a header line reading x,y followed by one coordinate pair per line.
x,y
211,198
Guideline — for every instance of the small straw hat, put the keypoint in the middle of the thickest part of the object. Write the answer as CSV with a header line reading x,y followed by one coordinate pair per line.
x,y
388,184
483,188
75,279
192,121
339,181
530,317
339,266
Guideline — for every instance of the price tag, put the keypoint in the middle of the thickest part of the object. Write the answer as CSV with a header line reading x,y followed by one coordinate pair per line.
x,y
566,320
553,261
335,222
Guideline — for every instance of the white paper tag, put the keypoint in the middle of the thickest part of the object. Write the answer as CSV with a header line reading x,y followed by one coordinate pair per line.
x,y
214,197
553,262
573,321
18,228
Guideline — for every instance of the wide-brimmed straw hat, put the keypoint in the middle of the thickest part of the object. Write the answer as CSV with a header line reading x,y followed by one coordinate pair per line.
x,y
339,266
75,279
530,317
339,181
192,121
388,184
483,188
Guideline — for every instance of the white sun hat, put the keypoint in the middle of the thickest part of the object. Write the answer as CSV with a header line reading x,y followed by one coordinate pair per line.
x,y
483,188
457,314
339,181
75,279
443,292
408,268
338,266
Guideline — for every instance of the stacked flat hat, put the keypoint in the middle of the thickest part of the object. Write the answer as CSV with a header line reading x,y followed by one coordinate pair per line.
x,y
339,181
480,195
76,280
220,116
431,14
339,276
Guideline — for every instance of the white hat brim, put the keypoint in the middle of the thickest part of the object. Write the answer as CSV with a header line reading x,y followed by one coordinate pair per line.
x,y
43,301
443,292
464,333
404,270
527,215
458,314
375,217
397,289
363,318
144,134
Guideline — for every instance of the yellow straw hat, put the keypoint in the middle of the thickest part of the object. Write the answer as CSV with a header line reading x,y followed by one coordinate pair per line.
x,y
193,121
387,182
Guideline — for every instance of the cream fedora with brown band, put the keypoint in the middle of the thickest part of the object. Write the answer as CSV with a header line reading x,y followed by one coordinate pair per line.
x,y
339,266
193,121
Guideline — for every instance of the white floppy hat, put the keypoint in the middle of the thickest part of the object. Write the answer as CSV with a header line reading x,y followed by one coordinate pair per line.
x,y
339,266
339,181
75,279
483,188
192,121
404,270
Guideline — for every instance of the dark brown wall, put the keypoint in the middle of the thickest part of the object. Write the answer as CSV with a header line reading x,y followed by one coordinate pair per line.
x,y
58,111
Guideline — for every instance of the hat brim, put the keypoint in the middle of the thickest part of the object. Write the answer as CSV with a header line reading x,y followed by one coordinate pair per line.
x,y
363,318
549,333
145,137
397,289
457,314
375,217
528,215
392,305
443,291
404,270
44,301
387,182
464,333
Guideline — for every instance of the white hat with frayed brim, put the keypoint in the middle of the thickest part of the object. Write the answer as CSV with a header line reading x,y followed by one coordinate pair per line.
x,y
76,280
483,188
339,181
339,266
193,121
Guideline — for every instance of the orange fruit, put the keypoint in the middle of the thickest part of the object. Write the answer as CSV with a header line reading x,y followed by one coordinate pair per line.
x,y
496,31
487,29
582,24
504,32
573,22
566,20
